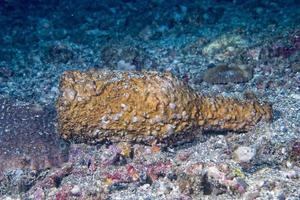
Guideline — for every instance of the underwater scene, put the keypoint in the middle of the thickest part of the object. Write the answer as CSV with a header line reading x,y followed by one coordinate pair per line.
x,y
149,99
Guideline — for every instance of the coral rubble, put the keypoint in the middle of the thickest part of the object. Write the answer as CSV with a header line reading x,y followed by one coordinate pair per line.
x,y
145,106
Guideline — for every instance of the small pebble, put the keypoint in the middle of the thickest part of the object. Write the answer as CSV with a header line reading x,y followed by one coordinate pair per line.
x,y
75,191
289,164
281,197
243,154
252,195
295,96
183,156
291,174
172,176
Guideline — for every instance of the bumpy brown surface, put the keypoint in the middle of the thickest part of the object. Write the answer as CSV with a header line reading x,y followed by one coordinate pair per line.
x,y
28,139
142,106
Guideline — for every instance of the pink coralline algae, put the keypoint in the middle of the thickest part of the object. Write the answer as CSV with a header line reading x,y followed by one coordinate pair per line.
x,y
28,139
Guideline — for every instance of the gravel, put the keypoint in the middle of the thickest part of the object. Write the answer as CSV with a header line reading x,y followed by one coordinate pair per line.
x,y
39,41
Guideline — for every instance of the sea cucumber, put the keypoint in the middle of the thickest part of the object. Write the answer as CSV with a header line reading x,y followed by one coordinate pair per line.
x,y
134,106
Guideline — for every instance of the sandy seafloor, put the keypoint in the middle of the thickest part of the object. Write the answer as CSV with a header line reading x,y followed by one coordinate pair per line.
x,y
39,41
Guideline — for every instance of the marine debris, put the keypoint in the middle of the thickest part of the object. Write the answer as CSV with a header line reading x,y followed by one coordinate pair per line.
x,y
95,106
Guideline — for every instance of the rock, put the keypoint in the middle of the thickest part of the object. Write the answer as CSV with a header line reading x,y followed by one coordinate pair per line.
x,y
189,185
122,65
244,154
295,96
76,190
125,57
58,53
291,174
221,44
223,74
294,152
5,74
28,142
295,66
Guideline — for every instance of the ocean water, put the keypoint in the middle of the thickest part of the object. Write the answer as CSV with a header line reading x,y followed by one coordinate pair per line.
x,y
242,49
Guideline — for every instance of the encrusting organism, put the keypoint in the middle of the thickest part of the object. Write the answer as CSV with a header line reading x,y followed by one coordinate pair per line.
x,y
132,106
